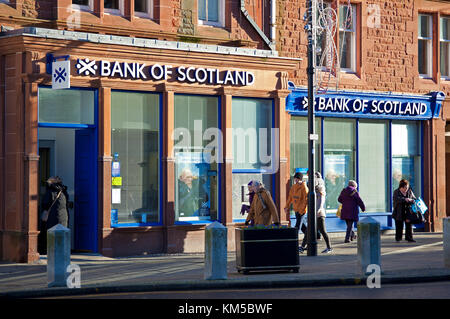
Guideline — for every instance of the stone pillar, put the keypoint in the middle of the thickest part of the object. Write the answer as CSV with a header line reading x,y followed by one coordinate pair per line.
x,y
446,235
369,243
58,255
215,251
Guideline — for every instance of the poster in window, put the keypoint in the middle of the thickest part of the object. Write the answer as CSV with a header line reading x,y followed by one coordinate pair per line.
x,y
402,168
193,186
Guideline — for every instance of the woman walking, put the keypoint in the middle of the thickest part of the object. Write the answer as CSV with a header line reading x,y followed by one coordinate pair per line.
x,y
403,197
320,211
350,200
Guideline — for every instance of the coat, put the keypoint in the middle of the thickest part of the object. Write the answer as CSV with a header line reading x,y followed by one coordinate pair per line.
x,y
257,212
350,203
400,206
320,197
298,197
58,213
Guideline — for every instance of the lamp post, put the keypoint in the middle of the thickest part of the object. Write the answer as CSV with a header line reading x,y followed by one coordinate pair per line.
x,y
312,228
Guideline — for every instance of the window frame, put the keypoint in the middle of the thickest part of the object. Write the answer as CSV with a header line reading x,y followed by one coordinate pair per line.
x,y
447,41
221,15
354,41
191,220
80,7
117,12
160,168
429,48
148,14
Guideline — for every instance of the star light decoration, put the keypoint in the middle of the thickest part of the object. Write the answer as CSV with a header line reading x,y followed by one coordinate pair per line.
x,y
86,66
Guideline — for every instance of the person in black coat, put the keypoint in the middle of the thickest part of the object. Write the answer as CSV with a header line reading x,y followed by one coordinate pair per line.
x,y
58,213
403,197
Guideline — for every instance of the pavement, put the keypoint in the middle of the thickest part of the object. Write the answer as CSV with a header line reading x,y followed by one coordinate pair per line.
x,y
401,262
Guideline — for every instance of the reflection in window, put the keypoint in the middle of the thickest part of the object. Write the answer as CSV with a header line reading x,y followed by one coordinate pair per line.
x,y
252,123
196,145
425,45
81,2
135,146
445,47
210,11
374,165
66,106
299,143
111,4
339,158
143,8
347,37
406,158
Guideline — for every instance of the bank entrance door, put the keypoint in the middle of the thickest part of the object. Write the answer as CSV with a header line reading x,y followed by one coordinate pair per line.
x,y
70,153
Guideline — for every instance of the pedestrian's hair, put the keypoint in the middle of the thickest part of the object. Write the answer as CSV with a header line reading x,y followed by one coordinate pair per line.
x,y
54,180
352,183
255,183
403,183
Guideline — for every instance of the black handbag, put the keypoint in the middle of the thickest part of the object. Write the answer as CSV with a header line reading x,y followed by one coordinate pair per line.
x,y
415,217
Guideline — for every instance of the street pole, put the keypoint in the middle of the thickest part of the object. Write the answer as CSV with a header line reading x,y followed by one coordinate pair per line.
x,y
312,228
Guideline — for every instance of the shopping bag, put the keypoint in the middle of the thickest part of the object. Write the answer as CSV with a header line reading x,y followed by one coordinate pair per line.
x,y
419,205
338,212
414,215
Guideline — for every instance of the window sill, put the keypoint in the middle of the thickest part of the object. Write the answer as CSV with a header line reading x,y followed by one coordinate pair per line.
x,y
113,12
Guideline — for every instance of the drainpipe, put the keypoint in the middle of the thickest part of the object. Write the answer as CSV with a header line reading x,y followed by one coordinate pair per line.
x,y
270,44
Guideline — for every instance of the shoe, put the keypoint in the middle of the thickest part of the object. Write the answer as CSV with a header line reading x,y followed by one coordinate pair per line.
x,y
301,249
411,240
353,238
327,251
346,241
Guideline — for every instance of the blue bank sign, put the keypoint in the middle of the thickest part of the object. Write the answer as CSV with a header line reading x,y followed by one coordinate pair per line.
x,y
367,105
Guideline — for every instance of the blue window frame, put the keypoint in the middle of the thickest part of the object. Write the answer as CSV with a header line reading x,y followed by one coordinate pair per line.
x,y
198,190
141,216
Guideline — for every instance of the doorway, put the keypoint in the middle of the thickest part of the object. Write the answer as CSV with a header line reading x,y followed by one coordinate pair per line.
x,y
70,153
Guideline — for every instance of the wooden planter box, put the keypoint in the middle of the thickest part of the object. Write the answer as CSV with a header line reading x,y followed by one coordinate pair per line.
x,y
267,249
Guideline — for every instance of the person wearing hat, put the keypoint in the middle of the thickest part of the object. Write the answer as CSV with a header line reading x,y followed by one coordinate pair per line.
x,y
262,208
298,198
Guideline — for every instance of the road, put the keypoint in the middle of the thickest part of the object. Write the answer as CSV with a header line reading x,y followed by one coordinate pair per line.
x,y
433,290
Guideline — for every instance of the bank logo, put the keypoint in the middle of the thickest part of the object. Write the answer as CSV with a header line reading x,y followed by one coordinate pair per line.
x,y
61,75
86,67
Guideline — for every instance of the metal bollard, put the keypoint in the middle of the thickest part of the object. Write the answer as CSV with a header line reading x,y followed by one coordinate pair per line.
x,y
446,235
369,244
58,255
215,251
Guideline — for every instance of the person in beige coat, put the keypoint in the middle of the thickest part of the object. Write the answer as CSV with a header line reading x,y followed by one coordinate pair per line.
x,y
262,210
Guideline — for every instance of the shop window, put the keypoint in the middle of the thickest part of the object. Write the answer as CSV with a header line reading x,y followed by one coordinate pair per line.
x,y
425,45
373,158
74,106
252,147
406,155
135,148
299,143
339,158
347,37
211,12
197,143
143,8
252,131
445,47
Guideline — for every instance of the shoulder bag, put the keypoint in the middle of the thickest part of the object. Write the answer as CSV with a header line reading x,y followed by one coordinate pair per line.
x,y
45,213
